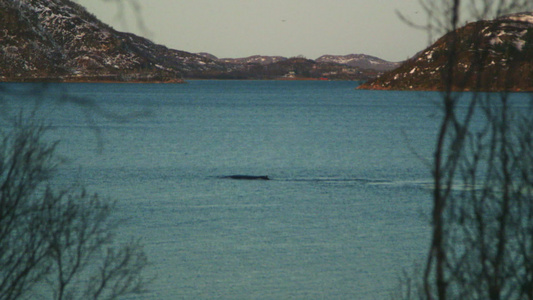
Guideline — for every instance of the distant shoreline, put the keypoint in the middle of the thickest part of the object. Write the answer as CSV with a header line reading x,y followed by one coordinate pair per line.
x,y
362,86
75,80
370,87
175,81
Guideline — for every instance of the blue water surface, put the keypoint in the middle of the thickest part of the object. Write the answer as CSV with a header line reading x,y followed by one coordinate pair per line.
x,y
342,217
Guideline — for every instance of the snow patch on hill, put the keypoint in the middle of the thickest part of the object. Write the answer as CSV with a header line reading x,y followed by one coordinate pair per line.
x,y
360,60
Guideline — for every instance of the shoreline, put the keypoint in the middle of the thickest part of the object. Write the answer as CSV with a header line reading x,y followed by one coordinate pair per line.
x,y
57,80
453,90
362,86
174,81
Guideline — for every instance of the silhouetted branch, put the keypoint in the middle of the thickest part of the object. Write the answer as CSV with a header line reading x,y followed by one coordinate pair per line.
x,y
482,217
56,236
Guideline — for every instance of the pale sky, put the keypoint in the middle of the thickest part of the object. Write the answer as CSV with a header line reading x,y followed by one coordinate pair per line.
x,y
241,28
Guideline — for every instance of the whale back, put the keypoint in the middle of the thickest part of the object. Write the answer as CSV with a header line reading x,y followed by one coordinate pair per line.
x,y
247,177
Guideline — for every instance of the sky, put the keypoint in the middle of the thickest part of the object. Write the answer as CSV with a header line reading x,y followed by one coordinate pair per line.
x,y
241,28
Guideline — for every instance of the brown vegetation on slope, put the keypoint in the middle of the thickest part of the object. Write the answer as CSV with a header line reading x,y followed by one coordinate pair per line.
x,y
492,55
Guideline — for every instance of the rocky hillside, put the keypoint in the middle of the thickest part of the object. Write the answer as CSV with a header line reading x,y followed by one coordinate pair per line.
x,y
58,40
256,59
279,67
362,61
491,55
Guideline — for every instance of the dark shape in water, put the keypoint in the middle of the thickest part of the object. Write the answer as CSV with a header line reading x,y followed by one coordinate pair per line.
x,y
247,177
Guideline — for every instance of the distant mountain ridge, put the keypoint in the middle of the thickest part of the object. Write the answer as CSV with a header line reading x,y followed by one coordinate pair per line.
x,y
58,40
491,55
361,61
353,60
256,59
346,67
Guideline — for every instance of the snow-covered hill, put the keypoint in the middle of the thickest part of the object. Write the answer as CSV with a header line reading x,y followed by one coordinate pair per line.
x,y
256,59
60,40
491,55
360,60
347,67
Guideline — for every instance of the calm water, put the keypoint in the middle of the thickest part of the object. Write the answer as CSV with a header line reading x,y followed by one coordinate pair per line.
x,y
341,218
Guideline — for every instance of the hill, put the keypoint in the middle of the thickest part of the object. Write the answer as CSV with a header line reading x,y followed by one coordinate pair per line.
x,y
360,61
278,67
58,40
491,55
